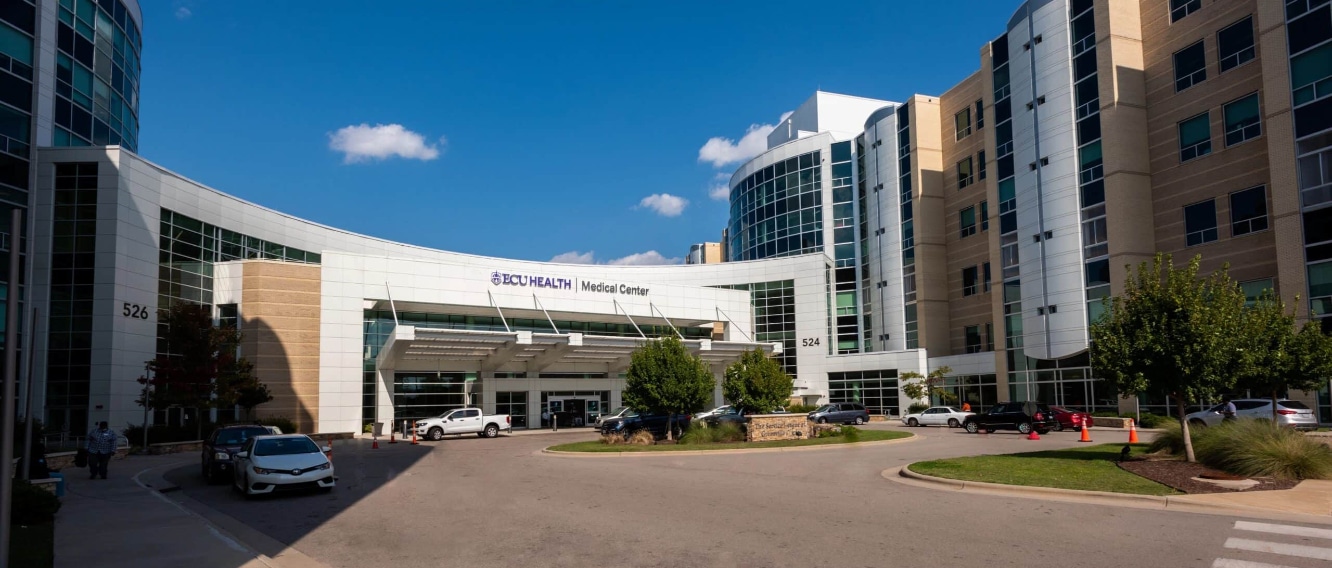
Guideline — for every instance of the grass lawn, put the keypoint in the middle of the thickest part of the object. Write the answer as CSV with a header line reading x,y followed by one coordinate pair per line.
x,y
597,446
1088,469
33,546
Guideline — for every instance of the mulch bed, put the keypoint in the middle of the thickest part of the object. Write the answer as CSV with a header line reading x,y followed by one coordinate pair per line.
x,y
1179,475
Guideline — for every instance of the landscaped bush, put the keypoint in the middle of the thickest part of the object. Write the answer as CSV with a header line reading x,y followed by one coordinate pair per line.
x,y
917,407
851,434
639,438
368,429
1105,414
165,433
1156,421
1252,448
32,505
801,408
722,433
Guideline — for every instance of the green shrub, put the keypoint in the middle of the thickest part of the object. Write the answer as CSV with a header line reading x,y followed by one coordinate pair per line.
x,y
165,433
369,428
1156,421
32,505
917,407
720,434
1254,448
850,433
801,408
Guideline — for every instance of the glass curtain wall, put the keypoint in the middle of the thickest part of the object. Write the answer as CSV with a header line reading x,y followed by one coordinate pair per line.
x,y
73,258
97,75
877,390
1309,39
774,317
908,227
778,210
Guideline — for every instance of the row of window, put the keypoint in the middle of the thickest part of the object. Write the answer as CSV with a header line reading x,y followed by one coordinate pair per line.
x,y
976,279
970,171
1241,120
967,217
1235,47
1248,214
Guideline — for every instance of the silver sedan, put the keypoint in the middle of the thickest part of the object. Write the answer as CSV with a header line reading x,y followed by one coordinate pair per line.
x,y
937,416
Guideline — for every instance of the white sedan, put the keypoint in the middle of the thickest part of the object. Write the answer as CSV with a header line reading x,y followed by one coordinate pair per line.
x,y
937,416
292,461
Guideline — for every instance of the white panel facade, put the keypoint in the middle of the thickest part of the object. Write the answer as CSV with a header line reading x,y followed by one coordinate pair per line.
x,y
883,200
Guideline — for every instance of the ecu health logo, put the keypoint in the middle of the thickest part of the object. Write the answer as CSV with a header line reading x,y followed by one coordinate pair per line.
x,y
495,278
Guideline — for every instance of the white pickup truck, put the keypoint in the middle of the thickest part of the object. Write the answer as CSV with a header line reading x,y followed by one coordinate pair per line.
x,y
463,421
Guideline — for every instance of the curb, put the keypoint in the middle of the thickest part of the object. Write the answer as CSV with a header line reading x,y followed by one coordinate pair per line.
x,y
1178,503
559,453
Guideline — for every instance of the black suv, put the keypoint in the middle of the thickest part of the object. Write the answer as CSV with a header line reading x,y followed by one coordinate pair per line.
x,y
219,450
656,424
1021,416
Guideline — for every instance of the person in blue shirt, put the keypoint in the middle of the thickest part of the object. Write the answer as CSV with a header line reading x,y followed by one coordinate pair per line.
x,y
101,446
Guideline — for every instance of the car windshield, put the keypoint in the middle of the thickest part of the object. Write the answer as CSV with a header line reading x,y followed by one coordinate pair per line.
x,y
826,408
285,447
238,436
1292,404
619,411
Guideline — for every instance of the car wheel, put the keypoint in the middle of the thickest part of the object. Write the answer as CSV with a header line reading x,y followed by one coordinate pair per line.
x,y
435,434
860,420
1024,428
1042,431
913,423
492,431
972,427
1059,427
952,423
823,421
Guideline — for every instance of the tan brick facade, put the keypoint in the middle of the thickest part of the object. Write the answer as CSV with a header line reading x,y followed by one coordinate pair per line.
x,y
280,324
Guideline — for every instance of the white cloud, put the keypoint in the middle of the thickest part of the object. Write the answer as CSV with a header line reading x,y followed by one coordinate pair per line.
x,y
362,143
665,204
640,259
183,13
721,188
722,151
574,257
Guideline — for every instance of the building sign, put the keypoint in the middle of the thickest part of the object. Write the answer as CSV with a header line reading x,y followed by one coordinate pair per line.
x,y
533,281
537,281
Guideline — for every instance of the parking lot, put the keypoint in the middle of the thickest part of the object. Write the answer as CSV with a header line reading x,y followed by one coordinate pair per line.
x,y
502,502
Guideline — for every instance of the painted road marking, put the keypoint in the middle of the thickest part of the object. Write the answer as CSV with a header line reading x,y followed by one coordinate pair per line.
x,y
1299,550
1230,563
1291,530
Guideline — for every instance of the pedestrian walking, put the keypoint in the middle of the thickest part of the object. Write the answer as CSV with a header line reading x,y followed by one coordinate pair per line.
x,y
1228,413
545,418
966,406
101,446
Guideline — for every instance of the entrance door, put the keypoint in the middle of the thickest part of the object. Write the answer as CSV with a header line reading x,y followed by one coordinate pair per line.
x,y
576,411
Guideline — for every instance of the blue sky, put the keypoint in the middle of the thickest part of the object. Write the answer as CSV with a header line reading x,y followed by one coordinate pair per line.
x,y
516,129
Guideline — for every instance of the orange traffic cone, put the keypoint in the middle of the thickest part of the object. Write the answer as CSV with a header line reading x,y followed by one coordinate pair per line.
x,y
393,439
329,453
1033,435
414,442
375,445
1133,432
1086,435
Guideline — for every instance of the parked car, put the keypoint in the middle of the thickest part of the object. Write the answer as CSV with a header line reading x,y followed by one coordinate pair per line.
x,y
1070,419
219,450
288,462
463,421
840,413
1290,413
714,412
1021,416
654,423
274,430
937,416
616,413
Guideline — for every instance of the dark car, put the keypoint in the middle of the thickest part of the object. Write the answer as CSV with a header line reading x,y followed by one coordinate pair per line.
x,y
732,415
219,450
656,424
1021,416
1070,419
840,413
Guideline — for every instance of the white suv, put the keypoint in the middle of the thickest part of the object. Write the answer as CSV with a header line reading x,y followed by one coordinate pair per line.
x,y
1290,413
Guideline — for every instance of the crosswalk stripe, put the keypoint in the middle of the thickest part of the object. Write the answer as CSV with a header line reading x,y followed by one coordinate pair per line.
x,y
1280,548
1283,529
1231,563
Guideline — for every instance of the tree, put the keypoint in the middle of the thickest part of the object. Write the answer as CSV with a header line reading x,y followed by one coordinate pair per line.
x,y
1171,334
756,383
1277,358
201,368
929,388
664,377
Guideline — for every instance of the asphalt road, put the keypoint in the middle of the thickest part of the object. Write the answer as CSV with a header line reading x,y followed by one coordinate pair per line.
x,y
501,502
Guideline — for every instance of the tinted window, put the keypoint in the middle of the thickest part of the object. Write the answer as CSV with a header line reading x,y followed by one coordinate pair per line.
x,y
1292,404
1249,404
1190,66
234,437
285,447
1200,223
1235,44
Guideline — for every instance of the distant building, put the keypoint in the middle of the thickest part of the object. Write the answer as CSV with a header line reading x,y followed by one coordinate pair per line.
x,y
704,253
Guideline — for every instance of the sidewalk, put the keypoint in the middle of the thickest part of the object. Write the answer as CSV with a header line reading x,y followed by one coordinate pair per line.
x,y
125,521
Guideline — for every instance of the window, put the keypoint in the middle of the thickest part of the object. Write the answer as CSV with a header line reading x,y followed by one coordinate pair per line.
x,y
980,114
989,336
1235,44
1248,211
985,277
1254,290
968,218
985,215
962,120
1190,66
969,281
1200,223
973,338
1242,122
1195,138
980,165
1320,288
964,177
1181,8
1311,74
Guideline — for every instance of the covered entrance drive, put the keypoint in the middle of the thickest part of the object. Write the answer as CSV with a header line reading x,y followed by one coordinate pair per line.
x,y
508,364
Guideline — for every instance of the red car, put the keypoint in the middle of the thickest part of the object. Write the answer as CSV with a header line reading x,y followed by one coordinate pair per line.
x,y
1070,419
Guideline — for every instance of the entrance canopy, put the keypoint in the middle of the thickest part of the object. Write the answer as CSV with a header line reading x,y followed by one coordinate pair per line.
x,y
537,352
